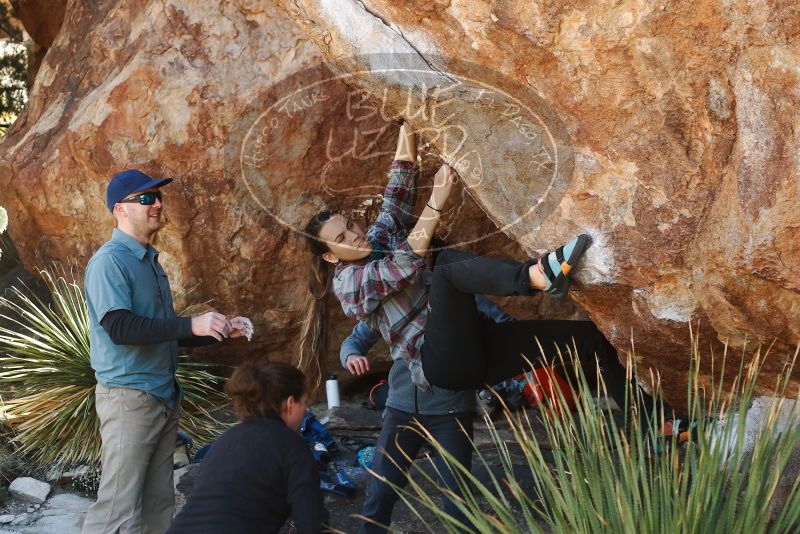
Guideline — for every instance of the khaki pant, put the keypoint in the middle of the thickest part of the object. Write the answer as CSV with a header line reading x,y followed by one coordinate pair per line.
x,y
136,494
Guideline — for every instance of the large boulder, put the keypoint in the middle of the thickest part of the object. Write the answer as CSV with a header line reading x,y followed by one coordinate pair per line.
x,y
233,100
667,130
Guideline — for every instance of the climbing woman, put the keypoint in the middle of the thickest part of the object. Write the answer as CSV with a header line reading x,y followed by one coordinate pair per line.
x,y
437,330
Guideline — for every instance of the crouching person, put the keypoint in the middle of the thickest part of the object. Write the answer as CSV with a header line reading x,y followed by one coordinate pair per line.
x,y
260,472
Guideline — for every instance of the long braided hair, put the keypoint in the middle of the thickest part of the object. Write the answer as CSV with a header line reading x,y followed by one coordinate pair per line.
x,y
314,329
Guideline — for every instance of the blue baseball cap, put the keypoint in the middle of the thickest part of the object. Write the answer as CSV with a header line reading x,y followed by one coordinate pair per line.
x,y
130,181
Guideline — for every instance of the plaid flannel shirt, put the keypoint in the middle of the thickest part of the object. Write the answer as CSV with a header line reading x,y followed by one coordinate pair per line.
x,y
389,294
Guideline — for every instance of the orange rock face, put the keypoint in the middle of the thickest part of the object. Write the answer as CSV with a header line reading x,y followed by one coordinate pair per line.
x,y
232,100
667,130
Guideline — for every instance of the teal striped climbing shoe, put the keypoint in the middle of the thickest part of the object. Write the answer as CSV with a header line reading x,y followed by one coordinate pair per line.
x,y
557,265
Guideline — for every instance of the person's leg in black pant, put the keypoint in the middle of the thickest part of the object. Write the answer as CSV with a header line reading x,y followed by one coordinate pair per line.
x,y
615,377
400,444
454,352
447,430
542,342
393,439
461,351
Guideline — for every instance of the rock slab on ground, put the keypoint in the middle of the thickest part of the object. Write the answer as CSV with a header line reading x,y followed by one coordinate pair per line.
x,y
353,418
23,520
62,514
183,480
30,489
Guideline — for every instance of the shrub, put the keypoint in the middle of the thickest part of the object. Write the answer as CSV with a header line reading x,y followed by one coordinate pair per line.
x,y
46,360
604,477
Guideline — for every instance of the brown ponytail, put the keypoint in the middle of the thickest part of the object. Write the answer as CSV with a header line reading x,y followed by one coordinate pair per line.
x,y
258,388
314,328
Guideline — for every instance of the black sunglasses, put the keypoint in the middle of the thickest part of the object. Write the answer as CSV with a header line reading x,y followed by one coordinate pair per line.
x,y
145,199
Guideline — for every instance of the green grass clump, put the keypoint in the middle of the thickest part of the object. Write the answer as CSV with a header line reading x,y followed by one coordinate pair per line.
x,y
602,475
44,360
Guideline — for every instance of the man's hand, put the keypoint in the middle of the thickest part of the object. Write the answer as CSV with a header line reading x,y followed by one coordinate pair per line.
x,y
210,324
241,326
357,364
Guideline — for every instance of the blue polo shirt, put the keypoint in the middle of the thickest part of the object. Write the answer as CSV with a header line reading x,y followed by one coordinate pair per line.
x,y
125,275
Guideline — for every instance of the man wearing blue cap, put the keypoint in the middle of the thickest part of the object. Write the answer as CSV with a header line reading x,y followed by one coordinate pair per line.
x,y
134,338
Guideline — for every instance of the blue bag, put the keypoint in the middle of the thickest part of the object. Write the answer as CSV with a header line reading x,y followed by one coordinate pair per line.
x,y
312,431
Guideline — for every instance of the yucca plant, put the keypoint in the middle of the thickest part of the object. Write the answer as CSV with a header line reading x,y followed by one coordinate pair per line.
x,y
605,476
45,359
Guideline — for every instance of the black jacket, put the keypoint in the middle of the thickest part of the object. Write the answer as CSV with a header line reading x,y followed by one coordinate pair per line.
x,y
255,476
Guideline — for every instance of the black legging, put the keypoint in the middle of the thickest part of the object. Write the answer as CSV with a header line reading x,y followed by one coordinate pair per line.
x,y
462,351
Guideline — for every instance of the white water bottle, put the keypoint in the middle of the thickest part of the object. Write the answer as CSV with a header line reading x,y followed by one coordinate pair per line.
x,y
332,391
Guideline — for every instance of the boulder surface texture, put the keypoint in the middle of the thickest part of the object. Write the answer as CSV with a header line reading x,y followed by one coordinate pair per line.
x,y
666,130
185,89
